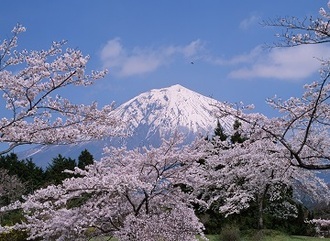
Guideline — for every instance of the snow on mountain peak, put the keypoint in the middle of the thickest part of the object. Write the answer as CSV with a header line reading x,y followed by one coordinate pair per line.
x,y
169,109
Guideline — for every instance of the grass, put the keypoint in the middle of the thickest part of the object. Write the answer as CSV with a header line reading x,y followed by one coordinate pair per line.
x,y
270,235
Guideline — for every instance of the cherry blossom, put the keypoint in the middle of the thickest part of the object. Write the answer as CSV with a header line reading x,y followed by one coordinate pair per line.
x,y
258,171
33,110
130,194
283,151
309,30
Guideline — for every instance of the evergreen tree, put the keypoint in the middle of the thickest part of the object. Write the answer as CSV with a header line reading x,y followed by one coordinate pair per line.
x,y
218,131
26,170
55,171
237,136
85,159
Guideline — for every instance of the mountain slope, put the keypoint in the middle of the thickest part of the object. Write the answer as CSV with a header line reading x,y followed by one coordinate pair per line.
x,y
148,117
159,112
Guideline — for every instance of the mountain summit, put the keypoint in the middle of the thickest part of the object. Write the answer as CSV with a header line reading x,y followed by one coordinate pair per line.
x,y
169,109
147,118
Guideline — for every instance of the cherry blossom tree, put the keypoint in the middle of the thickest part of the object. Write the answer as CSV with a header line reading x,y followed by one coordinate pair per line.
x,y
302,128
309,30
316,98
257,172
322,227
32,110
11,188
136,194
285,149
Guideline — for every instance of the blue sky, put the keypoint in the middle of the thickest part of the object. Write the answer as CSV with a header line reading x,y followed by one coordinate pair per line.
x,y
150,44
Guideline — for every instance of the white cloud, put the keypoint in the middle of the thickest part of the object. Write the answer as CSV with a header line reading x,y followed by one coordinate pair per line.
x,y
291,64
236,60
192,49
140,64
248,22
112,49
124,62
288,64
113,54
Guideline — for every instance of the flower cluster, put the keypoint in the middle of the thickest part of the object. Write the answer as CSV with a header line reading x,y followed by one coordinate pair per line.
x,y
33,112
132,195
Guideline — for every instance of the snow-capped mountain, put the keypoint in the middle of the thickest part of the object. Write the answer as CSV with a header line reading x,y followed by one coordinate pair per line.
x,y
160,112
148,117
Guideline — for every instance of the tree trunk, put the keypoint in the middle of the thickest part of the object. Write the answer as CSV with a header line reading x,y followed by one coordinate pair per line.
x,y
260,213
261,203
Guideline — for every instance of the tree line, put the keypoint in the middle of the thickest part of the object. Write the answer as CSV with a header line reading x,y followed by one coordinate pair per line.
x,y
255,176
28,177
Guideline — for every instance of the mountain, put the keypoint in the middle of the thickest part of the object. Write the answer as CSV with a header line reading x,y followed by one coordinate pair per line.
x,y
161,111
147,117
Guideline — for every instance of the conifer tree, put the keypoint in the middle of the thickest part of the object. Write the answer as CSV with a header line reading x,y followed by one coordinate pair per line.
x,y
55,171
218,131
85,159
237,136
26,170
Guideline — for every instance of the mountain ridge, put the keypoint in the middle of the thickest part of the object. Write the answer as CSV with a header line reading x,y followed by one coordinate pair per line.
x,y
148,117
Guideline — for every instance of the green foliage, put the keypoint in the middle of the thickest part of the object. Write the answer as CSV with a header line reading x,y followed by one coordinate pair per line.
x,y
78,201
14,235
55,171
85,159
218,131
11,217
321,210
237,136
26,170
212,220
35,177
247,219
